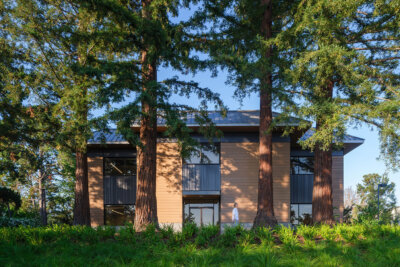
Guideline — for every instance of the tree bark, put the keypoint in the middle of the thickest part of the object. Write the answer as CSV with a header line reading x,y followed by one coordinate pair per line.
x,y
322,203
265,205
146,201
81,207
42,203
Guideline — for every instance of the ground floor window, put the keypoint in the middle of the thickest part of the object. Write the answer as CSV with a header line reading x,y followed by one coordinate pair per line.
x,y
300,213
202,212
118,215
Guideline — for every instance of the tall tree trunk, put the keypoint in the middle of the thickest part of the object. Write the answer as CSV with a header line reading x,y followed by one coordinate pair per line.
x,y
322,203
146,201
42,203
265,206
81,208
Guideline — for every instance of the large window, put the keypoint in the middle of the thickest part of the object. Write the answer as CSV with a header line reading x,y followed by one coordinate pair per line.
x,y
119,190
120,166
118,215
301,187
206,154
301,165
300,213
201,211
201,171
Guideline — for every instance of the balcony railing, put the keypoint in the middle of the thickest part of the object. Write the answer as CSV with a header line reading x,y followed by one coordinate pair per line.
x,y
201,177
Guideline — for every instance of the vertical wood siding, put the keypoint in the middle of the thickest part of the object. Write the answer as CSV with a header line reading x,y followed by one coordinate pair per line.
x,y
239,180
96,195
169,183
337,186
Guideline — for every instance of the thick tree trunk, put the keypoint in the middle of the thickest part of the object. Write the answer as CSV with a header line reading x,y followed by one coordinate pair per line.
x,y
265,206
42,203
322,209
322,203
81,208
146,201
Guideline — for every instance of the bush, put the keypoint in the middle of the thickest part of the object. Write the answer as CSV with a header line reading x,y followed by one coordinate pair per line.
x,y
15,221
8,196
288,237
206,235
231,236
189,231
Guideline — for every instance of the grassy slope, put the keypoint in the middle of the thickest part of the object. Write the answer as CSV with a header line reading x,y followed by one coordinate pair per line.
x,y
343,245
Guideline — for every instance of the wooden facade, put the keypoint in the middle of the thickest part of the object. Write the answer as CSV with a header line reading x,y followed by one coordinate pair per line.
x,y
96,195
337,187
169,184
239,183
239,180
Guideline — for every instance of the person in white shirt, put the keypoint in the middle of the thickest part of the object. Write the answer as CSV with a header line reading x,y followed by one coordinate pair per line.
x,y
235,215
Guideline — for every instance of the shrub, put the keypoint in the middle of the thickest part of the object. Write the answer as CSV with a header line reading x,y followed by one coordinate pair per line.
x,y
308,232
189,231
206,235
288,237
15,221
231,236
126,234
265,234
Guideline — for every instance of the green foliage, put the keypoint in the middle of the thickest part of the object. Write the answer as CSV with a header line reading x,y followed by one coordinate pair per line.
x,y
62,245
349,47
368,193
288,237
189,230
8,196
129,31
206,235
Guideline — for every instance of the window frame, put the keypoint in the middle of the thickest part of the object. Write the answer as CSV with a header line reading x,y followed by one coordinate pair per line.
x,y
118,205
218,148
134,177
214,203
298,204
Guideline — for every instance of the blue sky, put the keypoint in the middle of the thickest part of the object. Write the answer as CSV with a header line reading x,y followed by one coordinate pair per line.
x,y
361,161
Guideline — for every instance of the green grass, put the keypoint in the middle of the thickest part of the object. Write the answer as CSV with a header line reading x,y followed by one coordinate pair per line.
x,y
341,245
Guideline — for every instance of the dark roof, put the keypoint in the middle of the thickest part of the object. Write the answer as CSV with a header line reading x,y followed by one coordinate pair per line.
x,y
346,138
350,142
112,137
232,118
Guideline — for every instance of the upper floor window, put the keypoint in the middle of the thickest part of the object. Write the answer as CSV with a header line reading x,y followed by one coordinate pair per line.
x,y
206,154
301,165
119,187
201,171
119,167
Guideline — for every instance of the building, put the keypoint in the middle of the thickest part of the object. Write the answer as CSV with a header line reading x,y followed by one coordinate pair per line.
x,y
204,187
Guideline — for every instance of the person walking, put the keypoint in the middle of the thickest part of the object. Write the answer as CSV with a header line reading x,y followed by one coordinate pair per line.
x,y
235,215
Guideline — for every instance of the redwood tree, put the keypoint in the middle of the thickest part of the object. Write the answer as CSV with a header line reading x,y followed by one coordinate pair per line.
x,y
58,34
140,37
265,204
242,39
343,72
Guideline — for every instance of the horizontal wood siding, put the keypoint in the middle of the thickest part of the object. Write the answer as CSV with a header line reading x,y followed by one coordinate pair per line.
x,y
281,174
239,180
169,183
96,195
337,186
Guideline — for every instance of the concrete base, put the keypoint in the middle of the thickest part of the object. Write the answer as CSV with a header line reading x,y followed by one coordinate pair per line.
x,y
176,226
248,226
